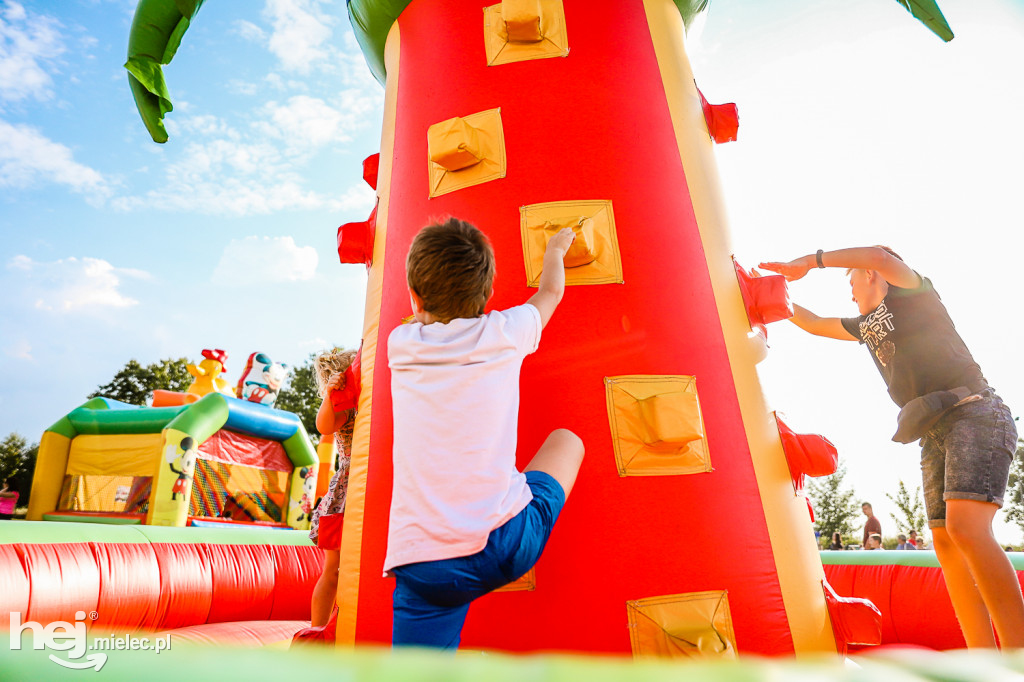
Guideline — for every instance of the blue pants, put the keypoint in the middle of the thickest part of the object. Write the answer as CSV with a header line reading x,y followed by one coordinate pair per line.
x,y
432,598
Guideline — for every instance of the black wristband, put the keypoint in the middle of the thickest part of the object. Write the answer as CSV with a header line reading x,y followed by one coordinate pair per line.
x,y
817,257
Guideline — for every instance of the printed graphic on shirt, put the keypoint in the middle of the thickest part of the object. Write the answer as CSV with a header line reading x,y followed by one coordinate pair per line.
x,y
874,330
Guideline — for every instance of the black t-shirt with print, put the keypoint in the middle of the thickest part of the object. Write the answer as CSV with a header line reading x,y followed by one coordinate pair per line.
x,y
915,345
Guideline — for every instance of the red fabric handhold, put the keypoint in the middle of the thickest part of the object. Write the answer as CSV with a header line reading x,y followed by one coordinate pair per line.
x,y
810,509
355,240
766,298
723,120
347,397
323,634
371,164
854,621
807,454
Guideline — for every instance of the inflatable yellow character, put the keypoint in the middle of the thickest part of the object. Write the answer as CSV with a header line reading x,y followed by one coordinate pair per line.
x,y
206,377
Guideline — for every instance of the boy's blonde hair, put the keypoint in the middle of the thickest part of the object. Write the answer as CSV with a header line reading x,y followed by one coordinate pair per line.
x,y
329,363
451,268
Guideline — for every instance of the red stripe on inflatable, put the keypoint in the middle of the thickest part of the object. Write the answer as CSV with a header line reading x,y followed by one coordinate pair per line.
x,y
65,580
296,570
913,600
129,585
186,585
921,611
14,583
243,582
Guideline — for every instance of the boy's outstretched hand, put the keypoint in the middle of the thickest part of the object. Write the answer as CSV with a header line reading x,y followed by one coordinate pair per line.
x,y
793,270
552,277
561,242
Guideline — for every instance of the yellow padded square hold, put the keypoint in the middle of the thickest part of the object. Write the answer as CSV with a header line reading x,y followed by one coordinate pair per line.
x,y
656,424
670,419
525,583
520,30
693,625
581,252
467,151
522,20
593,257
453,144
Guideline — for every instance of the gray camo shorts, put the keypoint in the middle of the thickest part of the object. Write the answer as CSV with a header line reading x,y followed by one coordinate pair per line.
x,y
967,456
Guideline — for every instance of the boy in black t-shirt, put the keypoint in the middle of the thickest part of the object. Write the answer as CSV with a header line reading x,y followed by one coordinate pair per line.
x,y
966,453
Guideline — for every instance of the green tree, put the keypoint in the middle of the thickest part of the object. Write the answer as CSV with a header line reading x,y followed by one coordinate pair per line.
x,y
17,461
134,383
301,396
1014,509
912,515
834,507
14,458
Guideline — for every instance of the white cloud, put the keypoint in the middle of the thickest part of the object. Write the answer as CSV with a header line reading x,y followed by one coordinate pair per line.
x,y
74,284
227,176
305,122
224,171
300,33
358,199
28,42
27,156
263,260
240,87
250,31
19,350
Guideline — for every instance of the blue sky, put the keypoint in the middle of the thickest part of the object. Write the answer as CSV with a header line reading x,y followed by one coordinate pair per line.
x,y
858,126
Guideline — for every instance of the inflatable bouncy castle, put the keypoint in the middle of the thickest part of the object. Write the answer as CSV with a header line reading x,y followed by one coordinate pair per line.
x,y
524,117
214,461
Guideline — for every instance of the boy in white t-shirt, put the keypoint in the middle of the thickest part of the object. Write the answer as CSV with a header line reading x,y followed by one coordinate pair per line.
x,y
464,521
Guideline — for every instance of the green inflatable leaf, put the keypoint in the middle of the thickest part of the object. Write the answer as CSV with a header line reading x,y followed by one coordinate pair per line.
x,y
929,14
156,33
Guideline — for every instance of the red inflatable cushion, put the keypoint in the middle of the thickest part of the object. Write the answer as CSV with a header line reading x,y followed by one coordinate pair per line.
x,y
129,585
14,583
186,585
243,582
296,570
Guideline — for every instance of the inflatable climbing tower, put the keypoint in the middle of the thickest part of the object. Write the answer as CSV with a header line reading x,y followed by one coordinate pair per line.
x,y
685,534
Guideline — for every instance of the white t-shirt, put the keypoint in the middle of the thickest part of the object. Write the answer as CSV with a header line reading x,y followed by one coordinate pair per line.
x,y
455,394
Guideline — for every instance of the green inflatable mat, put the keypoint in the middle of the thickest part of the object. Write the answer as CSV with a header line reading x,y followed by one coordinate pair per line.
x,y
48,532
191,662
924,558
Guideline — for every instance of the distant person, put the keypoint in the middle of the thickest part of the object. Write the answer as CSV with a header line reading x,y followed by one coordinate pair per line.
x,y
8,501
837,542
872,525
874,541
967,435
903,543
912,538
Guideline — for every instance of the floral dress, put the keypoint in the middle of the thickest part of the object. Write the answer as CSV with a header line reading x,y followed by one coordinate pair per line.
x,y
333,501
